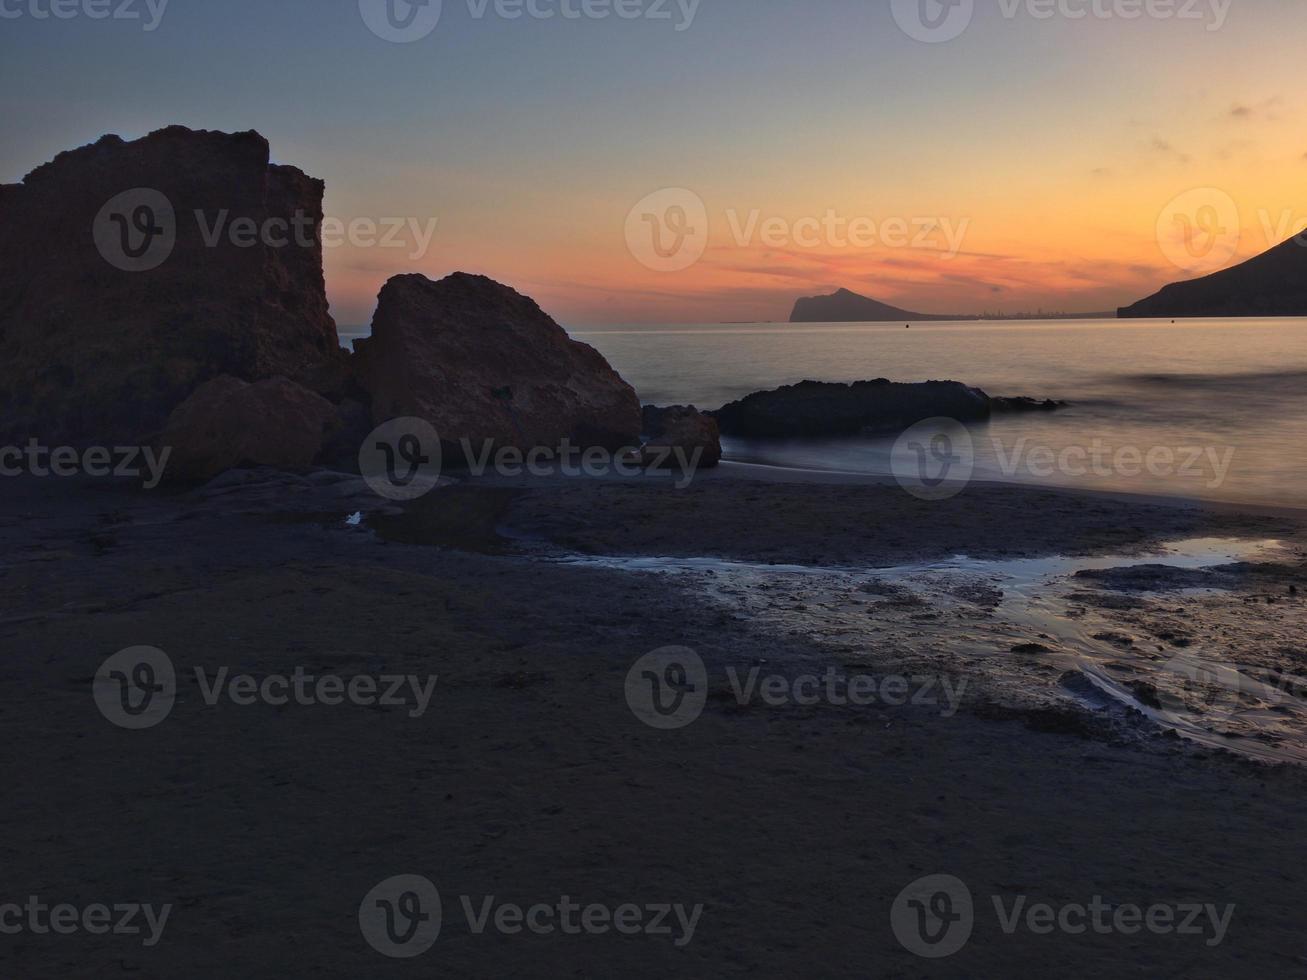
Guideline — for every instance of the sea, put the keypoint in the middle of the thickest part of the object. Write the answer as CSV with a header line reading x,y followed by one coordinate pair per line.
x,y
1212,409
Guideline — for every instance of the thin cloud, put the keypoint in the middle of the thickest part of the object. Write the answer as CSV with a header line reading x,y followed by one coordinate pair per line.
x,y
1266,109
1164,148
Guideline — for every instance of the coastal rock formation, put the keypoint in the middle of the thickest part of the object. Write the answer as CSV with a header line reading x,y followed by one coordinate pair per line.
x,y
683,428
228,423
814,408
844,306
132,272
1024,404
482,362
1272,284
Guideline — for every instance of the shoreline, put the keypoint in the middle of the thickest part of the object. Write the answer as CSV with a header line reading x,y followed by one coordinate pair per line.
x,y
763,473
819,814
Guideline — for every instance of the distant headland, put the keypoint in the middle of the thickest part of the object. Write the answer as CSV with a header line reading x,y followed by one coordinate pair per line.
x,y
1271,284
846,306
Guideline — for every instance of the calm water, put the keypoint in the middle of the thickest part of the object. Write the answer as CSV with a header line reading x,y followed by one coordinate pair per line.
x,y
1214,409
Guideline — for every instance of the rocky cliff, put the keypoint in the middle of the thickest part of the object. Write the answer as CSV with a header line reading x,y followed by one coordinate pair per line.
x,y
132,272
1272,284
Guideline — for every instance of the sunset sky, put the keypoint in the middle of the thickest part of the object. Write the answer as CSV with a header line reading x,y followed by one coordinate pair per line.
x,y
1053,145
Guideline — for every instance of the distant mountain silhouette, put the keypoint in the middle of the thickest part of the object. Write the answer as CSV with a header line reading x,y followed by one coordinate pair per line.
x,y
844,306
1272,284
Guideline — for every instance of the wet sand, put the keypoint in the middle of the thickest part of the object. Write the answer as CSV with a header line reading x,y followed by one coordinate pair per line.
x,y
796,826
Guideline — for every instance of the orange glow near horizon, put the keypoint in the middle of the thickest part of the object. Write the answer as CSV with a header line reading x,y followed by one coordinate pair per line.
x,y
1059,183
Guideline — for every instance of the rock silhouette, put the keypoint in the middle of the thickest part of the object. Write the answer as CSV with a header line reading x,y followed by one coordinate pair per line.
x,y
815,408
133,272
681,427
228,423
482,362
844,306
1271,284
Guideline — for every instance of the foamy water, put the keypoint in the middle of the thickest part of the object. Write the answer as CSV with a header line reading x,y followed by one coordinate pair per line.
x,y
1200,689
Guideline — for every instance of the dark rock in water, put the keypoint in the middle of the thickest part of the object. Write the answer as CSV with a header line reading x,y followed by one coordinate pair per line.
x,y
229,423
683,428
117,300
1025,405
1271,284
1032,649
480,361
815,408
844,306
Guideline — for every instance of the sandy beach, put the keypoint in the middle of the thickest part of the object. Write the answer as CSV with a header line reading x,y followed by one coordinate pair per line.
x,y
653,489
529,777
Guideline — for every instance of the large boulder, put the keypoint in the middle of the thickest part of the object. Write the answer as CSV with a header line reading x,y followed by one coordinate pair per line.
x,y
683,428
484,363
132,272
814,408
228,423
